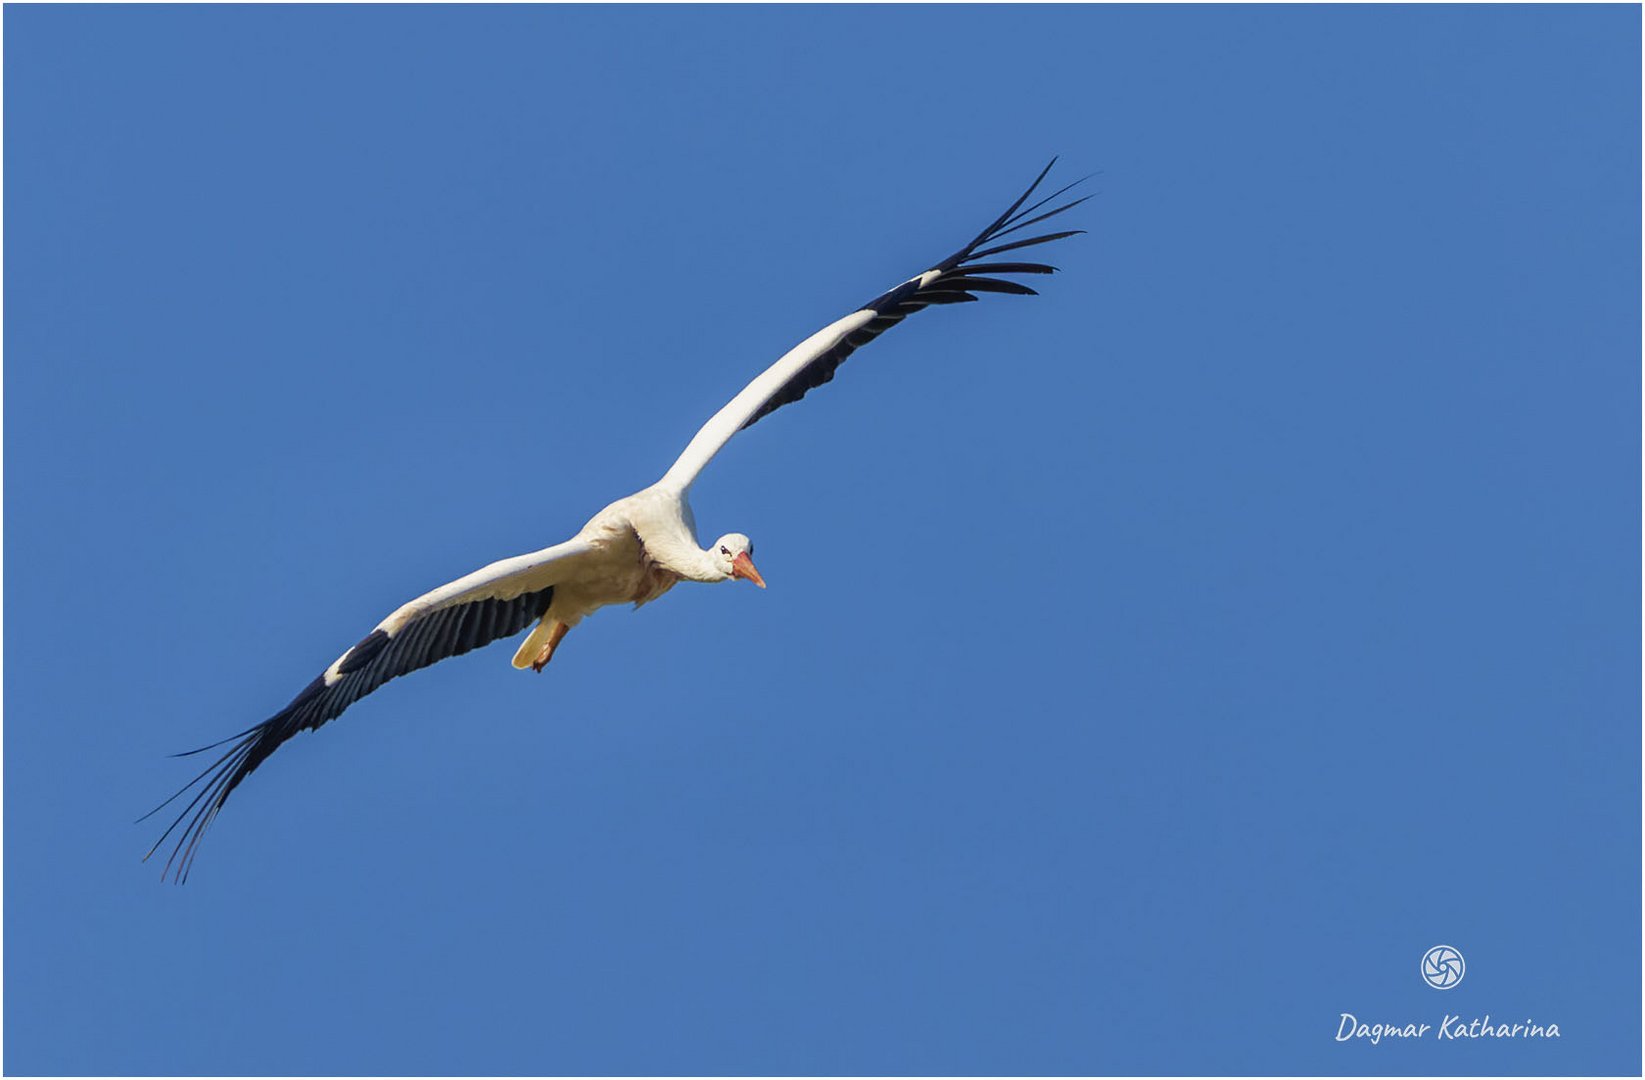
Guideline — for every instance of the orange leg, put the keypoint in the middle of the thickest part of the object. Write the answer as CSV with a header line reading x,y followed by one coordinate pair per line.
x,y
547,654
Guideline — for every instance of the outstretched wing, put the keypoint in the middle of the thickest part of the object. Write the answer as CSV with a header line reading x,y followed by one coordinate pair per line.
x,y
955,280
494,602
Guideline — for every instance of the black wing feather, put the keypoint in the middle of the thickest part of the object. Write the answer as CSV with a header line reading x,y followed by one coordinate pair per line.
x,y
955,285
379,657
993,285
1009,268
1030,242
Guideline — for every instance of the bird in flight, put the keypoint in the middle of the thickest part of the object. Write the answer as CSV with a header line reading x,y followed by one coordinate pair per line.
x,y
631,552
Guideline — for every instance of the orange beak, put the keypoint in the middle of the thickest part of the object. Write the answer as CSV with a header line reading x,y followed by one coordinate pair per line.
x,y
743,567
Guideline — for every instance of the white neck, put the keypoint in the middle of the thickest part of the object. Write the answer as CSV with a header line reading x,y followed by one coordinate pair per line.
x,y
698,565
663,520
680,555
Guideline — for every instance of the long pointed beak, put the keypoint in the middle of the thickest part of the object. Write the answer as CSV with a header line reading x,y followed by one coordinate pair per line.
x,y
743,567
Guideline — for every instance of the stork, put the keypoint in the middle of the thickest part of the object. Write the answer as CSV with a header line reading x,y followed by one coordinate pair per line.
x,y
631,552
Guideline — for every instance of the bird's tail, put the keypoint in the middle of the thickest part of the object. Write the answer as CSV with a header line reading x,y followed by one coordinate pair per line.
x,y
533,643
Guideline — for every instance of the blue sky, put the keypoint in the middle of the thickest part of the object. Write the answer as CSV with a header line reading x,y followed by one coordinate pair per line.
x,y
1150,673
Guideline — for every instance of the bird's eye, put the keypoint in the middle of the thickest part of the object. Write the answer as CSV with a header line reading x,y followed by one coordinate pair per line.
x,y
723,550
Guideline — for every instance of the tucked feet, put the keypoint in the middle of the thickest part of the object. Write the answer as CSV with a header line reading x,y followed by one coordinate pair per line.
x,y
547,653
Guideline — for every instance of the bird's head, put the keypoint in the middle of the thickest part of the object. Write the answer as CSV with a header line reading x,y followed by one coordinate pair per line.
x,y
731,554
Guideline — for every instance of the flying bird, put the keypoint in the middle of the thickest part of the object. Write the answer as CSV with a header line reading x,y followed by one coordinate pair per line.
x,y
631,552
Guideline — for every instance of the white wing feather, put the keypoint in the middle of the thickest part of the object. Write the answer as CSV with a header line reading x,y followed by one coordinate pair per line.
x,y
502,580
737,412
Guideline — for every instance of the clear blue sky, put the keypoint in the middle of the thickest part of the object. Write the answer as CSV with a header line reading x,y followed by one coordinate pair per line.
x,y
1150,672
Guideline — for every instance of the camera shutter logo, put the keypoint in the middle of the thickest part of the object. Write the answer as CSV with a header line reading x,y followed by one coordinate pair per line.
x,y
1442,967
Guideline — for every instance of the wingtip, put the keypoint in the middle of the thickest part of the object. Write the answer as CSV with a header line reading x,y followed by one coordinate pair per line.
x,y
1043,174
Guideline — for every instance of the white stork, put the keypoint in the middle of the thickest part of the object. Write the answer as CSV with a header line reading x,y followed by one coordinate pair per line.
x,y
633,551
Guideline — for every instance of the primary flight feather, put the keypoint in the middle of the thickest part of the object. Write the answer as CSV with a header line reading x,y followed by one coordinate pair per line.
x,y
633,551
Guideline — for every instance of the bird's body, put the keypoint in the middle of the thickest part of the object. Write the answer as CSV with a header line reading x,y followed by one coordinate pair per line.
x,y
631,552
640,547
617,568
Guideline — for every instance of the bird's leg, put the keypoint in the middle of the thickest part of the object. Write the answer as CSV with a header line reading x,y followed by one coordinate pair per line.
x,y
547,654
